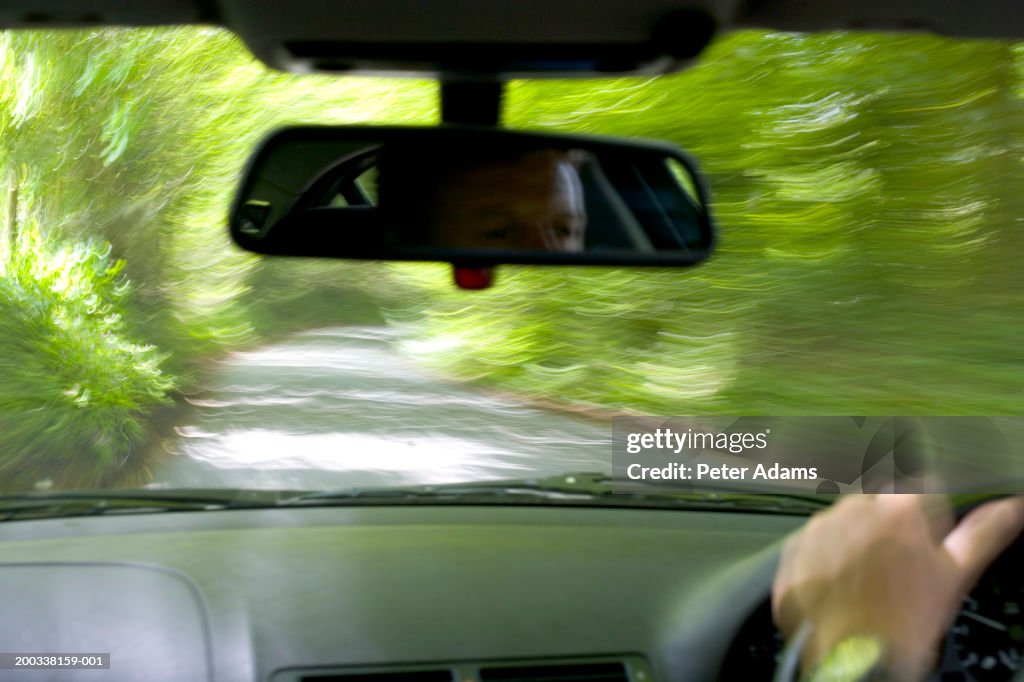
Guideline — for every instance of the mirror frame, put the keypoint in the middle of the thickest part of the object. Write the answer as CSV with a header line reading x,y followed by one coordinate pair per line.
x,y
317,227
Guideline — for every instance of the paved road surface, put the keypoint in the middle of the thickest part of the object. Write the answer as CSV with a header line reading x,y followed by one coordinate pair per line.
x,y
342,408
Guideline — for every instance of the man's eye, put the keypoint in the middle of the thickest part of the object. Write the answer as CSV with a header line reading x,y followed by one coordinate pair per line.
x,y
500,233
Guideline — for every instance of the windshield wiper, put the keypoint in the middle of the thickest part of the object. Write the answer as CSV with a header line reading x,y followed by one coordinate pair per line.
x,y
573,489
584,488
84,503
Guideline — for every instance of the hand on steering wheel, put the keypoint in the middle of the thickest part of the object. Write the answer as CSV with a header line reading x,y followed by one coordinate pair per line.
x,y
888,566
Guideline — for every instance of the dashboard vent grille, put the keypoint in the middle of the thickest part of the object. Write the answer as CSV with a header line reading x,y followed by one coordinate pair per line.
x,y
577,672
391,676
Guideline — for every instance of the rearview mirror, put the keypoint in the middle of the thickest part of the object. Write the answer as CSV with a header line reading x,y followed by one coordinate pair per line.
x,y
471,196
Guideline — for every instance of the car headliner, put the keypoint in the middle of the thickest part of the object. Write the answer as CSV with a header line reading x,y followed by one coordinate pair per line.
x,y
271,27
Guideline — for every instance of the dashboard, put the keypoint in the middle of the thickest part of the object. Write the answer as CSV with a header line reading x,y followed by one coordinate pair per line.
x,y
424,594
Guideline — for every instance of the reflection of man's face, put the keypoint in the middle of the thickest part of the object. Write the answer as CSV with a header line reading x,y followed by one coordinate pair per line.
x,y
534,202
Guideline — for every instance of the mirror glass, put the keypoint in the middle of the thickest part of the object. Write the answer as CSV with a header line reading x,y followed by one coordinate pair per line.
x,y
472,195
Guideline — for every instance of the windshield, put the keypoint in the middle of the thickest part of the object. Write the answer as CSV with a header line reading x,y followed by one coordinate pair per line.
x,y
868,189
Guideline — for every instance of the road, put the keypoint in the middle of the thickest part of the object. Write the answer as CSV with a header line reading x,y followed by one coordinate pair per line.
x,y
342,408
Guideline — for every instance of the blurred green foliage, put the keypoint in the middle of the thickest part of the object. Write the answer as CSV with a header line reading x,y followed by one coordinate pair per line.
x,y
868,193
868,189
74,387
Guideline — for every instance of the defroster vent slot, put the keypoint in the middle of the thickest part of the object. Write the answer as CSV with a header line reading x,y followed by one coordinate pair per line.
x,y
391,676
575,672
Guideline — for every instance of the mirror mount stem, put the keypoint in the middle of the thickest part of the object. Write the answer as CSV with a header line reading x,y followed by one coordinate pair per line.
x,y
472,102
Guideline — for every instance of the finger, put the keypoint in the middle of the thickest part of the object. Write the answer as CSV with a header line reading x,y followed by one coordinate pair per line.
x,y
784,574
983,535
939,513
933,511
786,614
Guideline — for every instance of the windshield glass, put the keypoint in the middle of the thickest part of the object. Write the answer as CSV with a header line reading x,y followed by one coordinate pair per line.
x,y
868,189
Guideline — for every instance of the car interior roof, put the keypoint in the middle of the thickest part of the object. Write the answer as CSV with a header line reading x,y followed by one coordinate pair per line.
x,y
269,28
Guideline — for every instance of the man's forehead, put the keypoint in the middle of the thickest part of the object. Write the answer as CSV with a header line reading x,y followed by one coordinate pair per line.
x,y
541,170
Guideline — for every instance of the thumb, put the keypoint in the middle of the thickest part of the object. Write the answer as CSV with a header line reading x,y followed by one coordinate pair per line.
x,y
983,535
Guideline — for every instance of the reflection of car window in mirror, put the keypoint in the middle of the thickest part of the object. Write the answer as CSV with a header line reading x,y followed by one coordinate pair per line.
x,y
360,191
501,198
